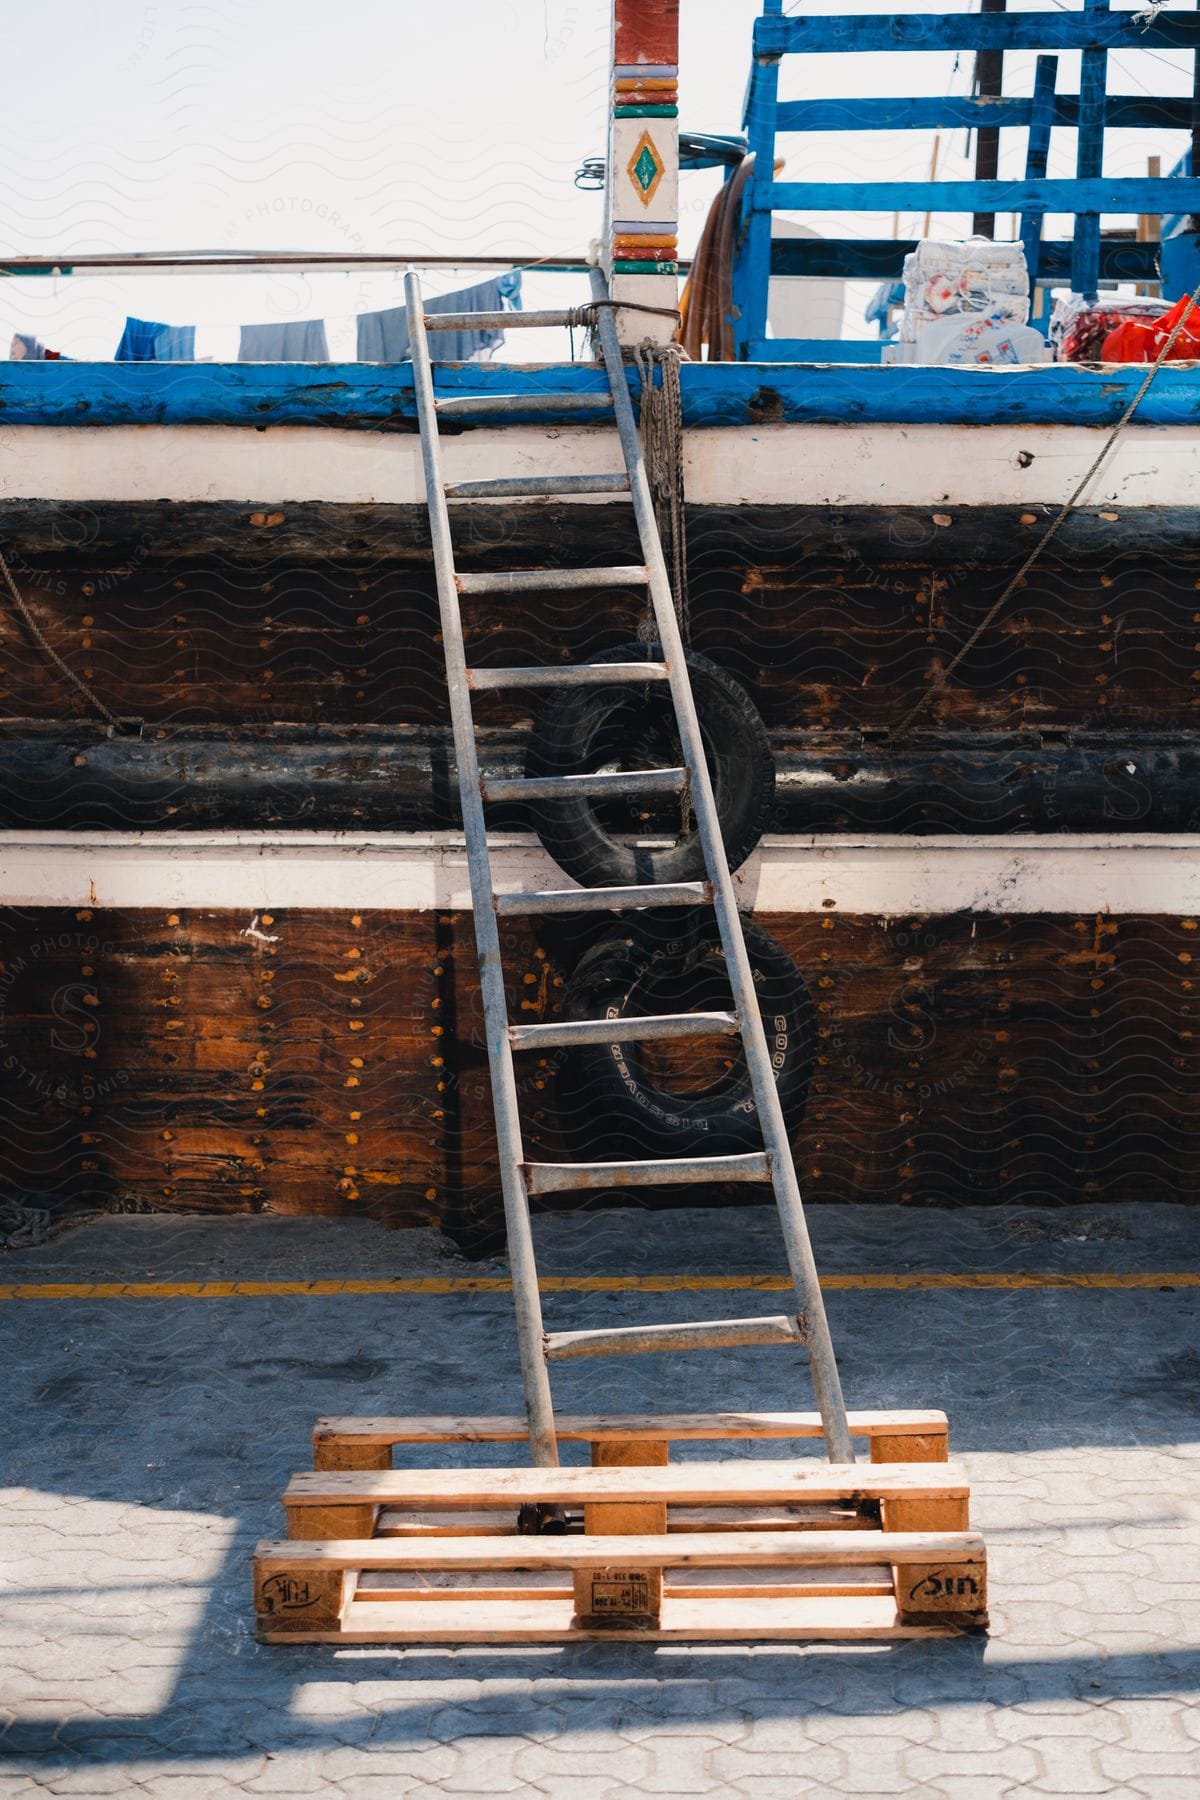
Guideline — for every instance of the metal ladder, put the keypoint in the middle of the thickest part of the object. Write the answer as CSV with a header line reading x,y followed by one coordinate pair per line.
x,y
808,1326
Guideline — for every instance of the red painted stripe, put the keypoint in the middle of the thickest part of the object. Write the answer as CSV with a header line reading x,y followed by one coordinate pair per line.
x,y
647,31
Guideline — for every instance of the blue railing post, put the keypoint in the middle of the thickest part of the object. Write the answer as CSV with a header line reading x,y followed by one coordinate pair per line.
x,y
1087,255
752,268
1037,158
1093,82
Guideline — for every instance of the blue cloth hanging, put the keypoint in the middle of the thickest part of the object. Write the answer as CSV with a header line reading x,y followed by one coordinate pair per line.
x,y
300,340
143,341
383,336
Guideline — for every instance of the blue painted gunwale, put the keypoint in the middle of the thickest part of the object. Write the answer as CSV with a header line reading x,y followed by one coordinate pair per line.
x,y
372,397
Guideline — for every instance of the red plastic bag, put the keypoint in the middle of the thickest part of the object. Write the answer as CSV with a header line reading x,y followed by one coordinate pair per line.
x,y
1139,341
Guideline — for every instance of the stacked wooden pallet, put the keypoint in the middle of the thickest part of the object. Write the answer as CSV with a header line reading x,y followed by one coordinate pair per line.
x,y
631,1546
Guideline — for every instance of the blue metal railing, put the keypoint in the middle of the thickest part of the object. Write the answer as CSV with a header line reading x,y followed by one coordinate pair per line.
x,y
1085,259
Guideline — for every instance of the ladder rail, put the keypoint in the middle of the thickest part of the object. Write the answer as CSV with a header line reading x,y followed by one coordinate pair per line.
x,y
826,1381
811,1325
526,1297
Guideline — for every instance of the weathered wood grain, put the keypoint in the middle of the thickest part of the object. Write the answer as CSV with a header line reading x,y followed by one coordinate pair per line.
x,y
1029,1060
361,396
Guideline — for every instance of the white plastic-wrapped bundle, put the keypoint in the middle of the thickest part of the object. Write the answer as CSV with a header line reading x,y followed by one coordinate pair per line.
x,y
967,302
947,279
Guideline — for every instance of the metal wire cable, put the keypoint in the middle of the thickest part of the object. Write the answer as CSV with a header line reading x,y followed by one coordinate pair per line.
x,y
1067,507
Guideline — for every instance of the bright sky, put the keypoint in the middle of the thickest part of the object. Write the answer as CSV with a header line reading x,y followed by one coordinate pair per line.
x,y
398,126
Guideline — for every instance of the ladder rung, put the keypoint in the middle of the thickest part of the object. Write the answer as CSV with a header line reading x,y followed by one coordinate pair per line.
x,y
525,403
632,784
497,321
651,1029
714,1334
614,899
541,581
567,675
565,1178
534,486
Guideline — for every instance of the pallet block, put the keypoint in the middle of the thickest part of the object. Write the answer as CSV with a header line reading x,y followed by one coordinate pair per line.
x,y
637,1547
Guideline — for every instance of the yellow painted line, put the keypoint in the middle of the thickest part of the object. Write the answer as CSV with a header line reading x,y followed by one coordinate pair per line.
x,y
582,1284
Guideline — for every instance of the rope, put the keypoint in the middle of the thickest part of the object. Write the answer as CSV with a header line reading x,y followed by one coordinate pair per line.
x,y
22,1226
660,422
1064,510
93,699
583,316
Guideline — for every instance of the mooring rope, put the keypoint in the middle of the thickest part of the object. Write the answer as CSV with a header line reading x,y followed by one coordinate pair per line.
x,y
1068,506
661,424
115,723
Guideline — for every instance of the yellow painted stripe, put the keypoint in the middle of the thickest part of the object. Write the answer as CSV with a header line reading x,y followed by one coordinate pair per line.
x,y
581,1284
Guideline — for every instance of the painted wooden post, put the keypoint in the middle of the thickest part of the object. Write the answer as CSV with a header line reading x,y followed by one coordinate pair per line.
x,y
752,270
641,245
1093,78
1037,158
989,85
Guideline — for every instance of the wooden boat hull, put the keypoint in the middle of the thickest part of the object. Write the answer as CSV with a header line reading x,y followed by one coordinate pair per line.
x,y
204,1008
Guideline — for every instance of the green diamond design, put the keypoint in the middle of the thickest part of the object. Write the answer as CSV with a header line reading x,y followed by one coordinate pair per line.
x,y
645,168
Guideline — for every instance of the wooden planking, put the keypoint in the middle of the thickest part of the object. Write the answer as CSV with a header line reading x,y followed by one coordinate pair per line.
x,y
327,562
450,1521
698,1584
747,1549
836,1619
783,1580
971,1055
456,1521
687,1483
835,618
816,1517
598,1427
852,665
356,396
1099,194
959,1057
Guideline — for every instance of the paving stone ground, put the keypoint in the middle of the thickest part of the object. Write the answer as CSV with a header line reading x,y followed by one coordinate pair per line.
x,y
148,1441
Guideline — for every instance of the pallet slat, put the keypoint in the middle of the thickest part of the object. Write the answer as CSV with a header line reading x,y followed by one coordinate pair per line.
x,y
690,1483
595,1428
724,1550
832,1619
686,1584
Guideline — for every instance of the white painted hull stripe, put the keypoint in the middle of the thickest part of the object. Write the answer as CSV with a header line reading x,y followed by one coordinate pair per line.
x,y
942,467
885,876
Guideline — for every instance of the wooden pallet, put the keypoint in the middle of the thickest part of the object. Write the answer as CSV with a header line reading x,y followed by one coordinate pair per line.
x,y
736,1550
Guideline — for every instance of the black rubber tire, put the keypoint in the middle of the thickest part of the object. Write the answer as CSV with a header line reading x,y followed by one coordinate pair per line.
x,y
610,1100
584,729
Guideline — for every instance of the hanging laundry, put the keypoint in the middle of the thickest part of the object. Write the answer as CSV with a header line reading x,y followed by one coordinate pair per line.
x,y
383,336
144,341
302,340
27,348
